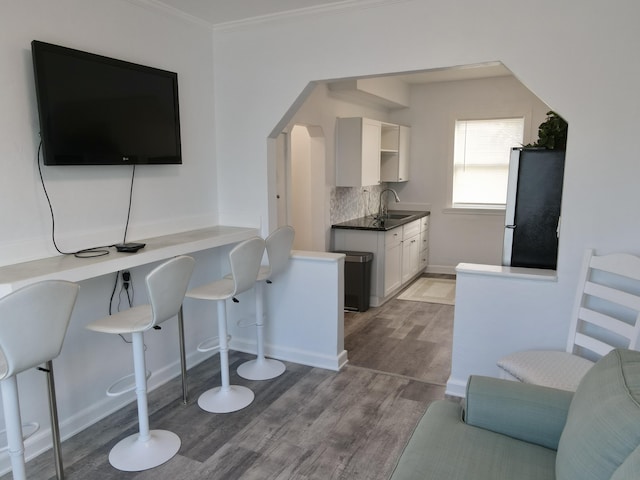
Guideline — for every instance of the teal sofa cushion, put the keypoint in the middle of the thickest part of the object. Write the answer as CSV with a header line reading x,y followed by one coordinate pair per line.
x,y
603,425
443,447
527,412
630,469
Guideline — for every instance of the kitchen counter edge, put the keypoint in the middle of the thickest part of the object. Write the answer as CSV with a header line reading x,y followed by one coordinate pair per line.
x,y
368,223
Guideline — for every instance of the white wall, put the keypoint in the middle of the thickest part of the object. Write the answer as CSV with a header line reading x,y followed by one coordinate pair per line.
x,y
90,203
434,108
580,58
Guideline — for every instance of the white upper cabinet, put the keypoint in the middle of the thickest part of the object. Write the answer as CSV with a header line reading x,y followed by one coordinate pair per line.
x,y
394,153
357,152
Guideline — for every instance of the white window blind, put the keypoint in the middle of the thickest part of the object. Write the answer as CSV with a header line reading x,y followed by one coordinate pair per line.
x,y
481,160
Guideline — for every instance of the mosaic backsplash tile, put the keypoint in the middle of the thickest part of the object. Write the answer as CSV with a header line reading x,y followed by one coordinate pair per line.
x,y
348,203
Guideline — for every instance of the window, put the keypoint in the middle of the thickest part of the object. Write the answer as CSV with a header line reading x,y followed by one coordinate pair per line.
x,y
481,161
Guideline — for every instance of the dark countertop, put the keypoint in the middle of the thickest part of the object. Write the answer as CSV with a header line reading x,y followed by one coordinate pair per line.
x,y
369,223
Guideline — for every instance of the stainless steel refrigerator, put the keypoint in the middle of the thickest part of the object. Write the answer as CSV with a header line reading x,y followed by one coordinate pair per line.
x,y
532,218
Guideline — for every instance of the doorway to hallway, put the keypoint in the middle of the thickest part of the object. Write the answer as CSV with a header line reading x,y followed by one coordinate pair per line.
x,y
302,181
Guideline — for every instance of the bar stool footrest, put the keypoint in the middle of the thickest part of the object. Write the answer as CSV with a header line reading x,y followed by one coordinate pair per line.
x,y
246,322
211,343
28,429
124,385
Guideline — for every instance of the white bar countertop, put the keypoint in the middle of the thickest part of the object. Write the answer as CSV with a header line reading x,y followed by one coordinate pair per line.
x,y
71,268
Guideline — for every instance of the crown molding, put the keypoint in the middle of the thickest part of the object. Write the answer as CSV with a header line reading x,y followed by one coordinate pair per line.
x,y
332,8
157,5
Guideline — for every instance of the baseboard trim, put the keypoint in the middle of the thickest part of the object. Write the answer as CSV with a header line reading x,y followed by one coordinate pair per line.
x,y
303,357
343,359
456,388
441,269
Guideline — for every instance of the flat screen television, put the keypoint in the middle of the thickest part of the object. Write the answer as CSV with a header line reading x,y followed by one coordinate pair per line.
x,y
96,110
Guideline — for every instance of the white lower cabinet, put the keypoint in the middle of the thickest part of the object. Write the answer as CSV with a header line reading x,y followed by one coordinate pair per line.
x,y
399,255
424,243
410,250
392,260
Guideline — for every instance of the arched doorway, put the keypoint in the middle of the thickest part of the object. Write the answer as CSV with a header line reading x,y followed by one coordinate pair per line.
x,y
301,176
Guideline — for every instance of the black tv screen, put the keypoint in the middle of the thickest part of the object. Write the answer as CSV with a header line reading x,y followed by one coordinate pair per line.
x,y
96,110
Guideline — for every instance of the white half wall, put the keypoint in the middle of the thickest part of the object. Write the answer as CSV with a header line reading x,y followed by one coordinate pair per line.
x,y
527,317
304,318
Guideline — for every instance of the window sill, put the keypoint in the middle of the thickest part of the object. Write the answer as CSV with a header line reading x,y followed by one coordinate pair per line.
x,y
474,211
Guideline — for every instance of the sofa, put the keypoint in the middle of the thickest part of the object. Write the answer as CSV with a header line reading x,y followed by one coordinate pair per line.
x,y
515,431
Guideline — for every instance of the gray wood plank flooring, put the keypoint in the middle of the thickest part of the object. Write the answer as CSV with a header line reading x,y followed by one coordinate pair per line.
x,y
407,338
307,424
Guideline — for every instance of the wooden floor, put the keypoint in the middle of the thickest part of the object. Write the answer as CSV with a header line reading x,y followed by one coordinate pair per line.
x,y
307,424
411,339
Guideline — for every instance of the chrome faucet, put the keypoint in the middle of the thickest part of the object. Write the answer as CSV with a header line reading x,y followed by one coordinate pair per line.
x,y
383,208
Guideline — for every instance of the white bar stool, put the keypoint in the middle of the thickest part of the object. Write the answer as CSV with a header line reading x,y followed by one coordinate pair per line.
x,y
166,286
245,260
278,245
33,323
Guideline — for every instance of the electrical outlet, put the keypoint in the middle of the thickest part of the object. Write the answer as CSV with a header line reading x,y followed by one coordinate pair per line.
x,y
126,278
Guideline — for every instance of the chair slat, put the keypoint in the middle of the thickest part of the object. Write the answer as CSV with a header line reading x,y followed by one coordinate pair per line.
x,y
592,344
611,294
607,322
618,263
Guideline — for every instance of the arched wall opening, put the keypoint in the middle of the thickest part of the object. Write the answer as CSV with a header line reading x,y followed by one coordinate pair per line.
x,y
429,102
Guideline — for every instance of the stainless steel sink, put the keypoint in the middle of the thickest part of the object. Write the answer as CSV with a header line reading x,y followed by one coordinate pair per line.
x,y
397,216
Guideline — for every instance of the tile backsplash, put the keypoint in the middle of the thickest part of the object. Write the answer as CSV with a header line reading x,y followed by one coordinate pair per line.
x,y
348,203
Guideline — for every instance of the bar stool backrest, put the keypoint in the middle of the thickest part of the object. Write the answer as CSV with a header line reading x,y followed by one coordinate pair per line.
x,y
279,245
166,286
245,261
33,323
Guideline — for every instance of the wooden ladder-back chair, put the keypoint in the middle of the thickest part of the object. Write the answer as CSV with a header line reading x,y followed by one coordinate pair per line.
x,y
606,315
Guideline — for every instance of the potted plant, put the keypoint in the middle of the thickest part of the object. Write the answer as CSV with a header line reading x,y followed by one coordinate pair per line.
x,y
552,133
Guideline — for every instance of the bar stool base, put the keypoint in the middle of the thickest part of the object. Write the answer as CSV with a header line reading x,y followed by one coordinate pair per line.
x,y
261,369
133,455
231,399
